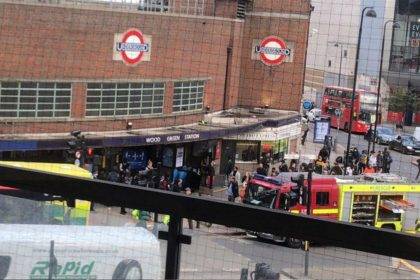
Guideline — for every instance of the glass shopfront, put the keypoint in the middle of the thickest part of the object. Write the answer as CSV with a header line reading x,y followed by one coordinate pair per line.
x,y
405,51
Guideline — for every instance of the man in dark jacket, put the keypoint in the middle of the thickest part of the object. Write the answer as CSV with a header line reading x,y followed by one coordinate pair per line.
x,y
261,170
233,189
387,160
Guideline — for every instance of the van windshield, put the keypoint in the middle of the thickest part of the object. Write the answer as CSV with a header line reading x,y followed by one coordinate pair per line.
x,y
258,195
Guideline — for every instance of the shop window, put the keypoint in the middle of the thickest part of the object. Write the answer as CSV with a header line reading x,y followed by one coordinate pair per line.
x,y
247,151
124,99
322,198
188,96
35,99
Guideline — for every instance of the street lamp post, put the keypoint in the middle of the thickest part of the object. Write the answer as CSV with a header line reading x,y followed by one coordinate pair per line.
x,y
341,61
394,25
370,13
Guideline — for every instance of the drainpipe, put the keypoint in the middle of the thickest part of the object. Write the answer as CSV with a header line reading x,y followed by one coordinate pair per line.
x,y
229,53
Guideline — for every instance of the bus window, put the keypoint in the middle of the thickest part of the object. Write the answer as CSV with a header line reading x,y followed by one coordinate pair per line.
x,y
331,111
322,198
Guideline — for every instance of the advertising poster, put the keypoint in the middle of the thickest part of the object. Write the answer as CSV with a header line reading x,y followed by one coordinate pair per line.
x,y
322,128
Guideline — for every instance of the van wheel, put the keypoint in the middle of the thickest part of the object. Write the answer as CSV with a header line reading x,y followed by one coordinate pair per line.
x,y
294,243
127,269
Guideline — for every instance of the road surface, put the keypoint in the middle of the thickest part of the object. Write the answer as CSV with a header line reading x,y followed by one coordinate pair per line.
x,y
402,164
219,252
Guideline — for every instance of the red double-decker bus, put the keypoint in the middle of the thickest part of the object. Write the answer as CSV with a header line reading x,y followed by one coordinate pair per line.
x,y
336,104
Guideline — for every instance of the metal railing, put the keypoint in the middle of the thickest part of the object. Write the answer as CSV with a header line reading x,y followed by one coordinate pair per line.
x,y
179,206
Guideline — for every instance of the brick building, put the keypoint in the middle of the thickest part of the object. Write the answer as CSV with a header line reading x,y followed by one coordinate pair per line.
x,y
60,70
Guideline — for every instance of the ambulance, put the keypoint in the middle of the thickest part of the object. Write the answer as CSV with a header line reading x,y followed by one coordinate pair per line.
x,y
78,252
54,208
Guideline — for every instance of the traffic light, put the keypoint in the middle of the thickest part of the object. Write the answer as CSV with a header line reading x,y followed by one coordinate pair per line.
x,y
77,148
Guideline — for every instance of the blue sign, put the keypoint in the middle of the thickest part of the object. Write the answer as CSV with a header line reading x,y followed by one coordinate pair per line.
x,y
136,159
307,104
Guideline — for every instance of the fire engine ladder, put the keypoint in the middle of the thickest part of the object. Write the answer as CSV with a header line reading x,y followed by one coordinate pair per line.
x,y
396,205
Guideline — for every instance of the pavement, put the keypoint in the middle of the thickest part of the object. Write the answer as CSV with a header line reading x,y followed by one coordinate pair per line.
x,y
219,252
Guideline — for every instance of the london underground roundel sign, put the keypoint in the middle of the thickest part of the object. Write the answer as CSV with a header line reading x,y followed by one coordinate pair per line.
x,y
272,51
132,46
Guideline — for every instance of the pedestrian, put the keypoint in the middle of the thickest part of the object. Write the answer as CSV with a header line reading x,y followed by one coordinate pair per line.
x,y
210,174
303,167
379,162
229,168
203,172
265,160
232,190
274,172
418,166
245,181
305,130
387,159
261,170
336,170
164,183
372,160
142,217
323,153
369,169
319,165
177,187
283,166
363,161
293,166
236,173
349,170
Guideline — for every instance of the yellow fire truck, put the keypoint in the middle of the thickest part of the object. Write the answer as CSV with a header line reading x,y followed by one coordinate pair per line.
x,y
380,201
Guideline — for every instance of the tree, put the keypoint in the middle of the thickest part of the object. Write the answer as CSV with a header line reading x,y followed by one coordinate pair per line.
x,y
403,100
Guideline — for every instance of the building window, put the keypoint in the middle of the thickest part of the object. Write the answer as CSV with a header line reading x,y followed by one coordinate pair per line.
x,y
124,99
154,5
329,63
34,99
322,198
247,151
188,96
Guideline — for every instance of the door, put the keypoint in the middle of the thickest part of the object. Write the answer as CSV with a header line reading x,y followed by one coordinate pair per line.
x,y
228,152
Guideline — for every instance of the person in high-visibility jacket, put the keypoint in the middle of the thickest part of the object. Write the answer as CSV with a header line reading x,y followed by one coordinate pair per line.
x,y
142,216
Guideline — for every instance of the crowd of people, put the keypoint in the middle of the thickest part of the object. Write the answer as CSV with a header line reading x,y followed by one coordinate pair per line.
x,y
363,162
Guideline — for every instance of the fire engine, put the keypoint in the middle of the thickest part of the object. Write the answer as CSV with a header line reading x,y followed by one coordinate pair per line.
x,y
375,200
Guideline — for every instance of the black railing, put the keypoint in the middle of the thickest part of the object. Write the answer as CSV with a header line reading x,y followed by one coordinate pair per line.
x,y
334,233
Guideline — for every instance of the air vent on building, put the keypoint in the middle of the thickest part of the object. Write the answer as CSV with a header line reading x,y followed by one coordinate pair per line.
x,y
240,11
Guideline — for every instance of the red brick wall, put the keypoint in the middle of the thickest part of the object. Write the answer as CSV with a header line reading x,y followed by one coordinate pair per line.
x,y
56,43
226,8
280,86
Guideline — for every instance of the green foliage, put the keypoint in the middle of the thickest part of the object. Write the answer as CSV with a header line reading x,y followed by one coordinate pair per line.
x,y
401,101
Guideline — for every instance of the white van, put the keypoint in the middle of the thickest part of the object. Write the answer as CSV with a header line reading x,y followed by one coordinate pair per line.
x,y
81,252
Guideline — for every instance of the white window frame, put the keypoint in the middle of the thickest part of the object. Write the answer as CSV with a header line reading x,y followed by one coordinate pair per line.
x,y
57,92
136,99
188,96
